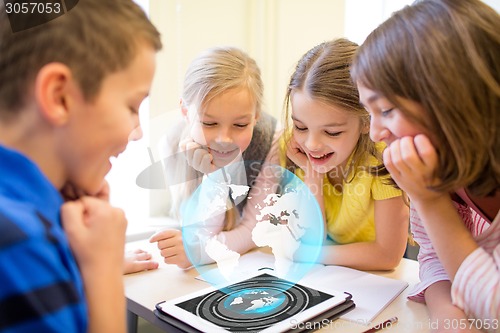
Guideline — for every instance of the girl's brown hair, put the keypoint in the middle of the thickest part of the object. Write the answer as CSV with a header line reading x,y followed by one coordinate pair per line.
x,y
445,55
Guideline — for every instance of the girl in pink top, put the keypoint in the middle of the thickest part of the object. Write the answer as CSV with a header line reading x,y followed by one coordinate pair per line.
x,y
430,78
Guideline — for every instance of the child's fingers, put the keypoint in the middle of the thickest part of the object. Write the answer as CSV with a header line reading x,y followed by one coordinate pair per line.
x,y
207,164
138,260
71,192
189,150
72,217
140,266
400,156
183,143
163,234
388,162
202,161
103,192
138,254
179,259
409,155
296,154
199,158
426,151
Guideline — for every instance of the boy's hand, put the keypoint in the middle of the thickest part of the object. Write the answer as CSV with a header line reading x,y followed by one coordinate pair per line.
x,y
198,156
171,247
412,163
96,233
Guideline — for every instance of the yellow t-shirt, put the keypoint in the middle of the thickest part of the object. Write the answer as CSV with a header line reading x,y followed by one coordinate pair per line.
x,y
349,207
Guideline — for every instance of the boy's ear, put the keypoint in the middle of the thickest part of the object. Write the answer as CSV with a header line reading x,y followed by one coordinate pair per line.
x,y
52,85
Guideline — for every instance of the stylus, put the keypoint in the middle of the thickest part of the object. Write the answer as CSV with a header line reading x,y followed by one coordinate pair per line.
x,y
388,323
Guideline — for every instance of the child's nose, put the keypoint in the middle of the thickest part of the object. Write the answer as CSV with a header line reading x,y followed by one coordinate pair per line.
x,y
377,131
224,135
313,143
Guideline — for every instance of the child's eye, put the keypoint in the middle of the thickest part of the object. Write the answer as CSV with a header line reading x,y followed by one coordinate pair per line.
x,y
241,125
207,124
386,112
133,110
298,128
333,133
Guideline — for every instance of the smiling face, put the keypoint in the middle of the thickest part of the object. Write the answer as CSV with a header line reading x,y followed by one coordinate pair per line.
x,y
225,125
387,122
326,133
99,129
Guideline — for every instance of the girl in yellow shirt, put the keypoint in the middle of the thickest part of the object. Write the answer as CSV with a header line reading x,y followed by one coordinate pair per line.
x,y
327,145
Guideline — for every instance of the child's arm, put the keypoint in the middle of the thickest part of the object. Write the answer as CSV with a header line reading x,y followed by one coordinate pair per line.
x,y
443,314
412,162
312,179
386,251
96,233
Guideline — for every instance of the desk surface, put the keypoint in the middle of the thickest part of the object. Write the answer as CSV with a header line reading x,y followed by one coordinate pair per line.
x,y
145,289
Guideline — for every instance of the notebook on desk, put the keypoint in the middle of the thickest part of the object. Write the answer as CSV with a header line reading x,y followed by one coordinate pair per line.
x,y
261,303
371,293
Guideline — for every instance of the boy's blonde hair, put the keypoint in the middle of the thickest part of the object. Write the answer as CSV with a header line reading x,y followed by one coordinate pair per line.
x,y
104,39
444,55
323,73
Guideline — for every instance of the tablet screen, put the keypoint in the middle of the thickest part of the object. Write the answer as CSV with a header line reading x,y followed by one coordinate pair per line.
x,y
253,305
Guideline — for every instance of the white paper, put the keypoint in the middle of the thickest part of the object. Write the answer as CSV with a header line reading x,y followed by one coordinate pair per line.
x,y
371,293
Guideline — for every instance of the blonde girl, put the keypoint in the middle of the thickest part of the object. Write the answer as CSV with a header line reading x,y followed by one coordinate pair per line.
x,y
222,126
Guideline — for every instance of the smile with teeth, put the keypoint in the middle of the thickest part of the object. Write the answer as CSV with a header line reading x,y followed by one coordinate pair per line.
x,y
321,157
221,153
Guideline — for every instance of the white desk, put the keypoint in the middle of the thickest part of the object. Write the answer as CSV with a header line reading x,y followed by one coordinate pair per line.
x,y
145,289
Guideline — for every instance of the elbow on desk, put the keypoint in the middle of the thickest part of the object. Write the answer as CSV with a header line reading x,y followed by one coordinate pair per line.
x,y
389,263
387,260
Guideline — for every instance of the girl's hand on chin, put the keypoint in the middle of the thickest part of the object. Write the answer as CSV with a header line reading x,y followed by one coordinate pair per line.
x,y
299,157
198,156
295,153
412,162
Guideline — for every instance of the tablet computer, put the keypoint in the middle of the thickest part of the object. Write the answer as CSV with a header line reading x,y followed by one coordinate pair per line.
x,y
262,303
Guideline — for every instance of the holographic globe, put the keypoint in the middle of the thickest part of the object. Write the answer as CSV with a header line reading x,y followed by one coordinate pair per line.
x,y
289,223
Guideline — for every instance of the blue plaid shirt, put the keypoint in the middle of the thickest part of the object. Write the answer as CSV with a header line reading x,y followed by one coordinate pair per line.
x,y
41,288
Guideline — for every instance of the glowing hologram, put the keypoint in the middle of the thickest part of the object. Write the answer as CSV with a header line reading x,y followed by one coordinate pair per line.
x,y
289,222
